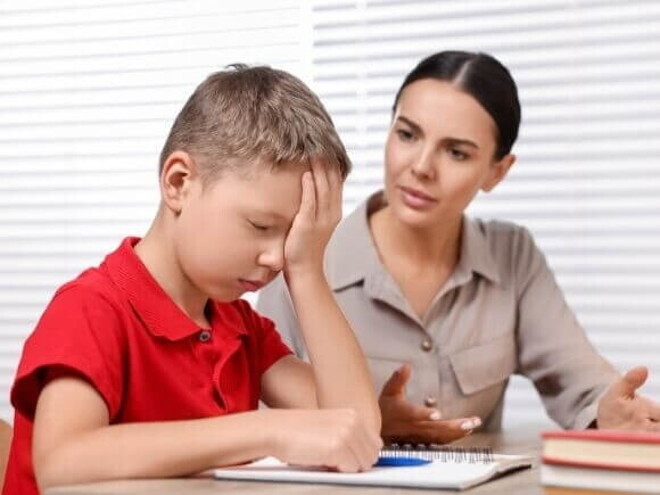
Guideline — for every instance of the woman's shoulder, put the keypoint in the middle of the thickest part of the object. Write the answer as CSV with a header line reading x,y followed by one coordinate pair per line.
x,y
500,233
352,230
510,245
350,249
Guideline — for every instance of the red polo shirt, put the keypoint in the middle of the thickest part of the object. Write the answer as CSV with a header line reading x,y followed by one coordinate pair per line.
x,y
117,328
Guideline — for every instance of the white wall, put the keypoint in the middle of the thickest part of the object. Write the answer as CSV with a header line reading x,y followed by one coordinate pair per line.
x,y
88,91
587,180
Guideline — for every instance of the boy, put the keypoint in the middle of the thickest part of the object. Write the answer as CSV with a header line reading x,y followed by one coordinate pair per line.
x,y
150,365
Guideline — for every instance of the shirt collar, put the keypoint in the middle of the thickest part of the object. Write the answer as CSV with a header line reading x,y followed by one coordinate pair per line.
x,y
475,251
156,309
352,254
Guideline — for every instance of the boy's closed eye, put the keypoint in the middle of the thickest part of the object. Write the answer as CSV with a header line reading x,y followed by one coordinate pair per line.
x,y
267,221
261,227
267,226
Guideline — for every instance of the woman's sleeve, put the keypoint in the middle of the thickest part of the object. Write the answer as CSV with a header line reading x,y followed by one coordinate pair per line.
x,y
275,303
553,349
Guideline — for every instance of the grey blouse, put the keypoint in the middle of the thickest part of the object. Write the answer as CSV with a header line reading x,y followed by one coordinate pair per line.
x,y
501,312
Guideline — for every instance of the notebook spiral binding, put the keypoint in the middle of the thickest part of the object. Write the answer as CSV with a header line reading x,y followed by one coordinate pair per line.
x,y
442,453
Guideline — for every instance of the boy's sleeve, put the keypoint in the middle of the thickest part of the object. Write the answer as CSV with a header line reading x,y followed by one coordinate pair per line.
x,y
80,334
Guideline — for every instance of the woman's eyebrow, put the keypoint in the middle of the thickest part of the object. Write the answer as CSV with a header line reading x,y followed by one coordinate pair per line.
x,y
411,124
450,140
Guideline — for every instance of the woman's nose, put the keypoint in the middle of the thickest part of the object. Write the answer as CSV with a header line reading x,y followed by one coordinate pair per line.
x,y
423,166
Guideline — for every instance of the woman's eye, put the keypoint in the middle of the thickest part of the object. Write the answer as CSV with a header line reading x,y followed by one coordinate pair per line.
x,y
405,135
458,154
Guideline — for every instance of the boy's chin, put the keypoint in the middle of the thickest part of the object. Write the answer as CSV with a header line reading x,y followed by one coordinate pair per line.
x,y
226,295
236,291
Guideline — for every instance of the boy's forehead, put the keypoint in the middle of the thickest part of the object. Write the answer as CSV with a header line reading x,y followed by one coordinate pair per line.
x,y
272,214
274,193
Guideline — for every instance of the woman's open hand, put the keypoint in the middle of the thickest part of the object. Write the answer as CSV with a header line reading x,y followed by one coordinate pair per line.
x,y
622,408
405,422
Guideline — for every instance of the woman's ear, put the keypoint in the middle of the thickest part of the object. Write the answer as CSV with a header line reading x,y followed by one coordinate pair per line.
x,y
498,171
176,178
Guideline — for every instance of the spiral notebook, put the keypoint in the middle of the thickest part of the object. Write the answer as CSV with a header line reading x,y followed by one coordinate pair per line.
x,y
451,468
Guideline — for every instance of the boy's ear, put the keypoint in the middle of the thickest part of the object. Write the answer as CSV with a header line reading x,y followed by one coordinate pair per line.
x,y
498,171
176,178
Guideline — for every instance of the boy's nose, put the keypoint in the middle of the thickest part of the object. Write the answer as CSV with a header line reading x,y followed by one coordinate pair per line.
x,y
273,258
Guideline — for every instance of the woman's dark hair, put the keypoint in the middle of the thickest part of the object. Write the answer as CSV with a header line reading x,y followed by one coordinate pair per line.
x,y
484,78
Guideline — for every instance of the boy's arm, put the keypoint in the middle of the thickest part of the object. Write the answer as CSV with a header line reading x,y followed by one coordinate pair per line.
x,y
340,373
73,442
289,383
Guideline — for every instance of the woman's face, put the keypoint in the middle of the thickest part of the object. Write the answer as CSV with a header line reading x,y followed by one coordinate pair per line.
x,y
440,152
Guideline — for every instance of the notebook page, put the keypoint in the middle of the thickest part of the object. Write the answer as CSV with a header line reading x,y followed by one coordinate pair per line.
x,y
451,475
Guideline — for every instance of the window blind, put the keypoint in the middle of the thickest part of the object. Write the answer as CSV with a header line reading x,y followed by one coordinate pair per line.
x,y
88,92
587,180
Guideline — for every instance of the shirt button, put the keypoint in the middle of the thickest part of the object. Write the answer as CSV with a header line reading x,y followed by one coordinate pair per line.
x,y
204,336
430,401
427,345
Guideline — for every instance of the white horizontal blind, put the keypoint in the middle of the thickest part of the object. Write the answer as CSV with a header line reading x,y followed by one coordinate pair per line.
x,y
587,181
88,91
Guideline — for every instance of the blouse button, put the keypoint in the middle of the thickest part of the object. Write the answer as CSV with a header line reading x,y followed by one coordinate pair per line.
x,y
427,345
430,401
204,336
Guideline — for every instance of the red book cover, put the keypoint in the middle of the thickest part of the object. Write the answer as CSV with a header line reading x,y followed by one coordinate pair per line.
x,y
605,435
603,449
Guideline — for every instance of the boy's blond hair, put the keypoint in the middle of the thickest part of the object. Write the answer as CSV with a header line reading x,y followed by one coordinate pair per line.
x,y
254,115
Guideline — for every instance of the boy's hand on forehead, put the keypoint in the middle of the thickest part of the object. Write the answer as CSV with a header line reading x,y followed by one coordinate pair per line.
x,y
317,217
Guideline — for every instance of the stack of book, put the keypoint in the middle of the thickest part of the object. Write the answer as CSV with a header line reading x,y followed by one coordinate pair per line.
x,y
602,460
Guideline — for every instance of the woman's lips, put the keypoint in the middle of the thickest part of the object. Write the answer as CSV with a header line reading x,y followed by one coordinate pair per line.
x,y
416,199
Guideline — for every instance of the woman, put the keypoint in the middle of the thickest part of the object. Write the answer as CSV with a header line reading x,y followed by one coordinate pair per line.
x,y
450,307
